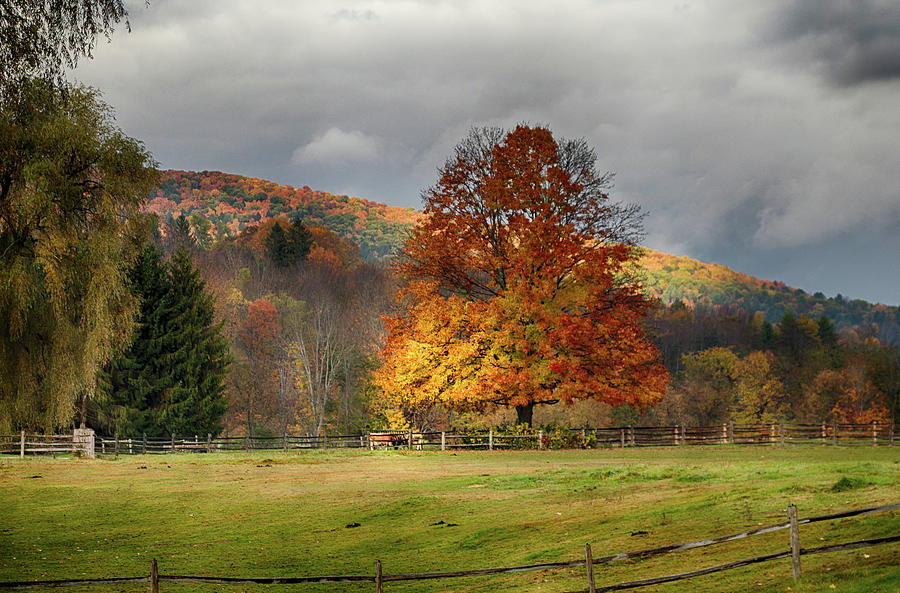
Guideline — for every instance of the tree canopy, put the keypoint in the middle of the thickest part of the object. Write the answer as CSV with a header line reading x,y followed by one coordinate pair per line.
x,y
517,290
42,37
70,187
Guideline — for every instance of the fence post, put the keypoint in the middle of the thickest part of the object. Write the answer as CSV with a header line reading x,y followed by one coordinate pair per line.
x,y
117,445
724,438
173,443
22,445
772,434
284,441
154,577
540,439
874,433
622,437
731,431
631,436
795,541
371,444
891,443
144,445
409,440
589,565
378,588
443,441
824,433
683,435
83,441
491,440
782,433
209,442
834,432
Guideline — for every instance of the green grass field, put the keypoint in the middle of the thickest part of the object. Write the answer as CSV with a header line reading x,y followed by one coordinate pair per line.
x,y
287,515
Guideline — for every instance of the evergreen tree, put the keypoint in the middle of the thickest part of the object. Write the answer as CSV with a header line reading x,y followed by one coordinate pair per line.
x,y
277,246
195,353
285,248
171,380
299,239
135,381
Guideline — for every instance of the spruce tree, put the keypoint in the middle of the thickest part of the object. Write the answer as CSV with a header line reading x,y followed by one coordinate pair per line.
x,y
195,353
299,239
285,248
171,379
277,248
135,380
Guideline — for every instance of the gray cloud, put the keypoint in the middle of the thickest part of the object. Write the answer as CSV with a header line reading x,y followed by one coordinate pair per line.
x,y
338,147
856,41
713,115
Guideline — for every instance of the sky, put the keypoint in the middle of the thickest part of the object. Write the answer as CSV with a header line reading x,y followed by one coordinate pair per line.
x,y
761,135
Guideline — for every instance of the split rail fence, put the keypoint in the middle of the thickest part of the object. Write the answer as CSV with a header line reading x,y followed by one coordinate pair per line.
x,y
794,552
84,442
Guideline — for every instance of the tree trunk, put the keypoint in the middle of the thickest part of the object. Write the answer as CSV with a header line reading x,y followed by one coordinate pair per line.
x,y
84,400
524,414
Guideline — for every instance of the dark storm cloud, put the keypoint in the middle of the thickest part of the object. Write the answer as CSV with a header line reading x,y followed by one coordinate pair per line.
x,y
857,41
712,114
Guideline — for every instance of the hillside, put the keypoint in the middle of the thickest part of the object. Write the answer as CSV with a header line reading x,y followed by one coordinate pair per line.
x,y
672,278
232,202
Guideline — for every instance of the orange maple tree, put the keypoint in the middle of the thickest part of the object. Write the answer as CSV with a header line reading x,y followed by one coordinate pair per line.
x,y
516,289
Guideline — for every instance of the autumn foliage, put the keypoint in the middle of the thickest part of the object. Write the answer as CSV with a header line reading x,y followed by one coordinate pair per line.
x,y
516,288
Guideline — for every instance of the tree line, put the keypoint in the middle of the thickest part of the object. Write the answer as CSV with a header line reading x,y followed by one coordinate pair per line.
x,y
730,364
515,292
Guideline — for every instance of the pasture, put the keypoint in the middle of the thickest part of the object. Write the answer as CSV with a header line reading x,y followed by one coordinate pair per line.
x,y
319,513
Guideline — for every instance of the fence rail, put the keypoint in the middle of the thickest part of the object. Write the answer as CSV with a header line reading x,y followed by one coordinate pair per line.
x,y
874,434
795,553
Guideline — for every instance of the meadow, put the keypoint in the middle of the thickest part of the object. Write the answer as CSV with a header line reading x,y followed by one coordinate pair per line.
x,y
335,512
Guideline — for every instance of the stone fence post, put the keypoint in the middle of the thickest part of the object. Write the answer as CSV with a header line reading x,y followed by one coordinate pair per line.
x,y
83,440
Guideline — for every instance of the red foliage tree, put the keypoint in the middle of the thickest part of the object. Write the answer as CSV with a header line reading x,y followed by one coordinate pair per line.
x,y
517,286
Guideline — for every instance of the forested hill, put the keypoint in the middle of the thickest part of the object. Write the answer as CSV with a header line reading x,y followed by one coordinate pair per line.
x,y
672,278
232,202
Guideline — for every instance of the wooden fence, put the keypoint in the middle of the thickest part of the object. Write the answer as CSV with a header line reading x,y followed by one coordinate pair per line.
x,y
795,552
32,444
874,434
80,442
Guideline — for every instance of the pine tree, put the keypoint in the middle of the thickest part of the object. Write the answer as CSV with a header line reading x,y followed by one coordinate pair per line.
x,y
195,353
134,380
171,380
300,239
285,248
277,246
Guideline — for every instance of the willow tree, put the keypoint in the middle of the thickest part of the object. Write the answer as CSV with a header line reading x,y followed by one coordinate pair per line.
x,y
44,37
71,184
517,291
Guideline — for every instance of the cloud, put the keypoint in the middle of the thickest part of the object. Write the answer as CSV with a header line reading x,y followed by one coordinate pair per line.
x,y
742,127
336,146
349,14
856,42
